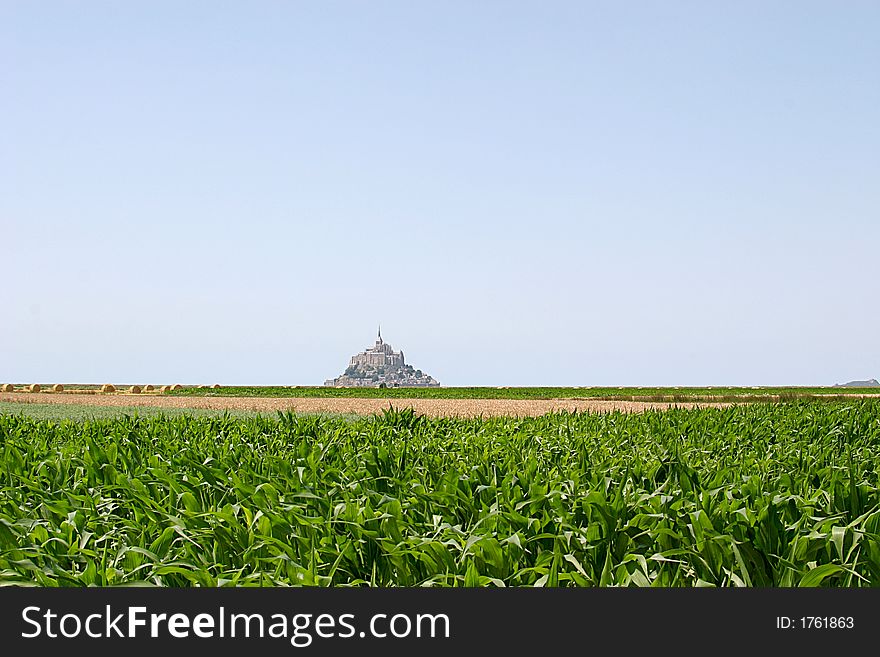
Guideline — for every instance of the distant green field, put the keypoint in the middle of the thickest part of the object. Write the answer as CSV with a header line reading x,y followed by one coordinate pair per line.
x,y
651,394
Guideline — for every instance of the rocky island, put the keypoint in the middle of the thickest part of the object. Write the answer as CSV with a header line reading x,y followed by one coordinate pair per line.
x,y
380,366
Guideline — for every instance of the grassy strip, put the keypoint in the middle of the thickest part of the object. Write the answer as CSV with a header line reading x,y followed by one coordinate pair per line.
x,y
84,412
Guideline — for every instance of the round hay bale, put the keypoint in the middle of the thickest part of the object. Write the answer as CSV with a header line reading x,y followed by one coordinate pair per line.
x,y
177,386
58,388
7,387
165,388
216,386
34,387
148,388
108,387
135,390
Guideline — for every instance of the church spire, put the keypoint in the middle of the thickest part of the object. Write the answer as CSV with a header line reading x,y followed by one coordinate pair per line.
x,y
380,334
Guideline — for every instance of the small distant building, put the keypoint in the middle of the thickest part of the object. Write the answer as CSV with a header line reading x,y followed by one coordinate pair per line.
x,y
381,364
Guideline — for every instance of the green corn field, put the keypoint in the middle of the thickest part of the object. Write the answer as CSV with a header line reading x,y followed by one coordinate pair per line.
x,y
750,495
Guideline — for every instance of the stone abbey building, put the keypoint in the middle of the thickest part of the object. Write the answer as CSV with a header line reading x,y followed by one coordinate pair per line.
x,y
379,365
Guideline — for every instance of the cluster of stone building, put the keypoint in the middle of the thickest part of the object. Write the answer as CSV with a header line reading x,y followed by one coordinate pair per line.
x,y
380,366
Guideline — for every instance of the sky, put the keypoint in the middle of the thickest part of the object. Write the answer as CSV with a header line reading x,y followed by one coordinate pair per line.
x,y
521,193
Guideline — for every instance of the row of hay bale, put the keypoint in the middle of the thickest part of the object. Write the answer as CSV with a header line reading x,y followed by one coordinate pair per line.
x,y
107,387
33,387
169,388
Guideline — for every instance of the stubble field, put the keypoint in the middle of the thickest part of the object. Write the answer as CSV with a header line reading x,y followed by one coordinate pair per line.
x,y
453,407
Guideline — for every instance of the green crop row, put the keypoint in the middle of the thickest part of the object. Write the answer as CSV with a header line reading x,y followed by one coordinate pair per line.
x,y
753,495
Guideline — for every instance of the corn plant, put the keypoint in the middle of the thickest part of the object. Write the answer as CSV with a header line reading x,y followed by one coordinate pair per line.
x,y
751,495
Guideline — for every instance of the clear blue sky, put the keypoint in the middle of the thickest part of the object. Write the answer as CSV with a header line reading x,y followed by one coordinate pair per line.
x,y
523,193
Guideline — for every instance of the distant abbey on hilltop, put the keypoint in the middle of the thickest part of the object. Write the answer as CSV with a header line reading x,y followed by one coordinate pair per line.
x,y
378,365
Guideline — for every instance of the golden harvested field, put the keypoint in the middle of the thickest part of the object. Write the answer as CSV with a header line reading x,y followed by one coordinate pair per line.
x,y
430,407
